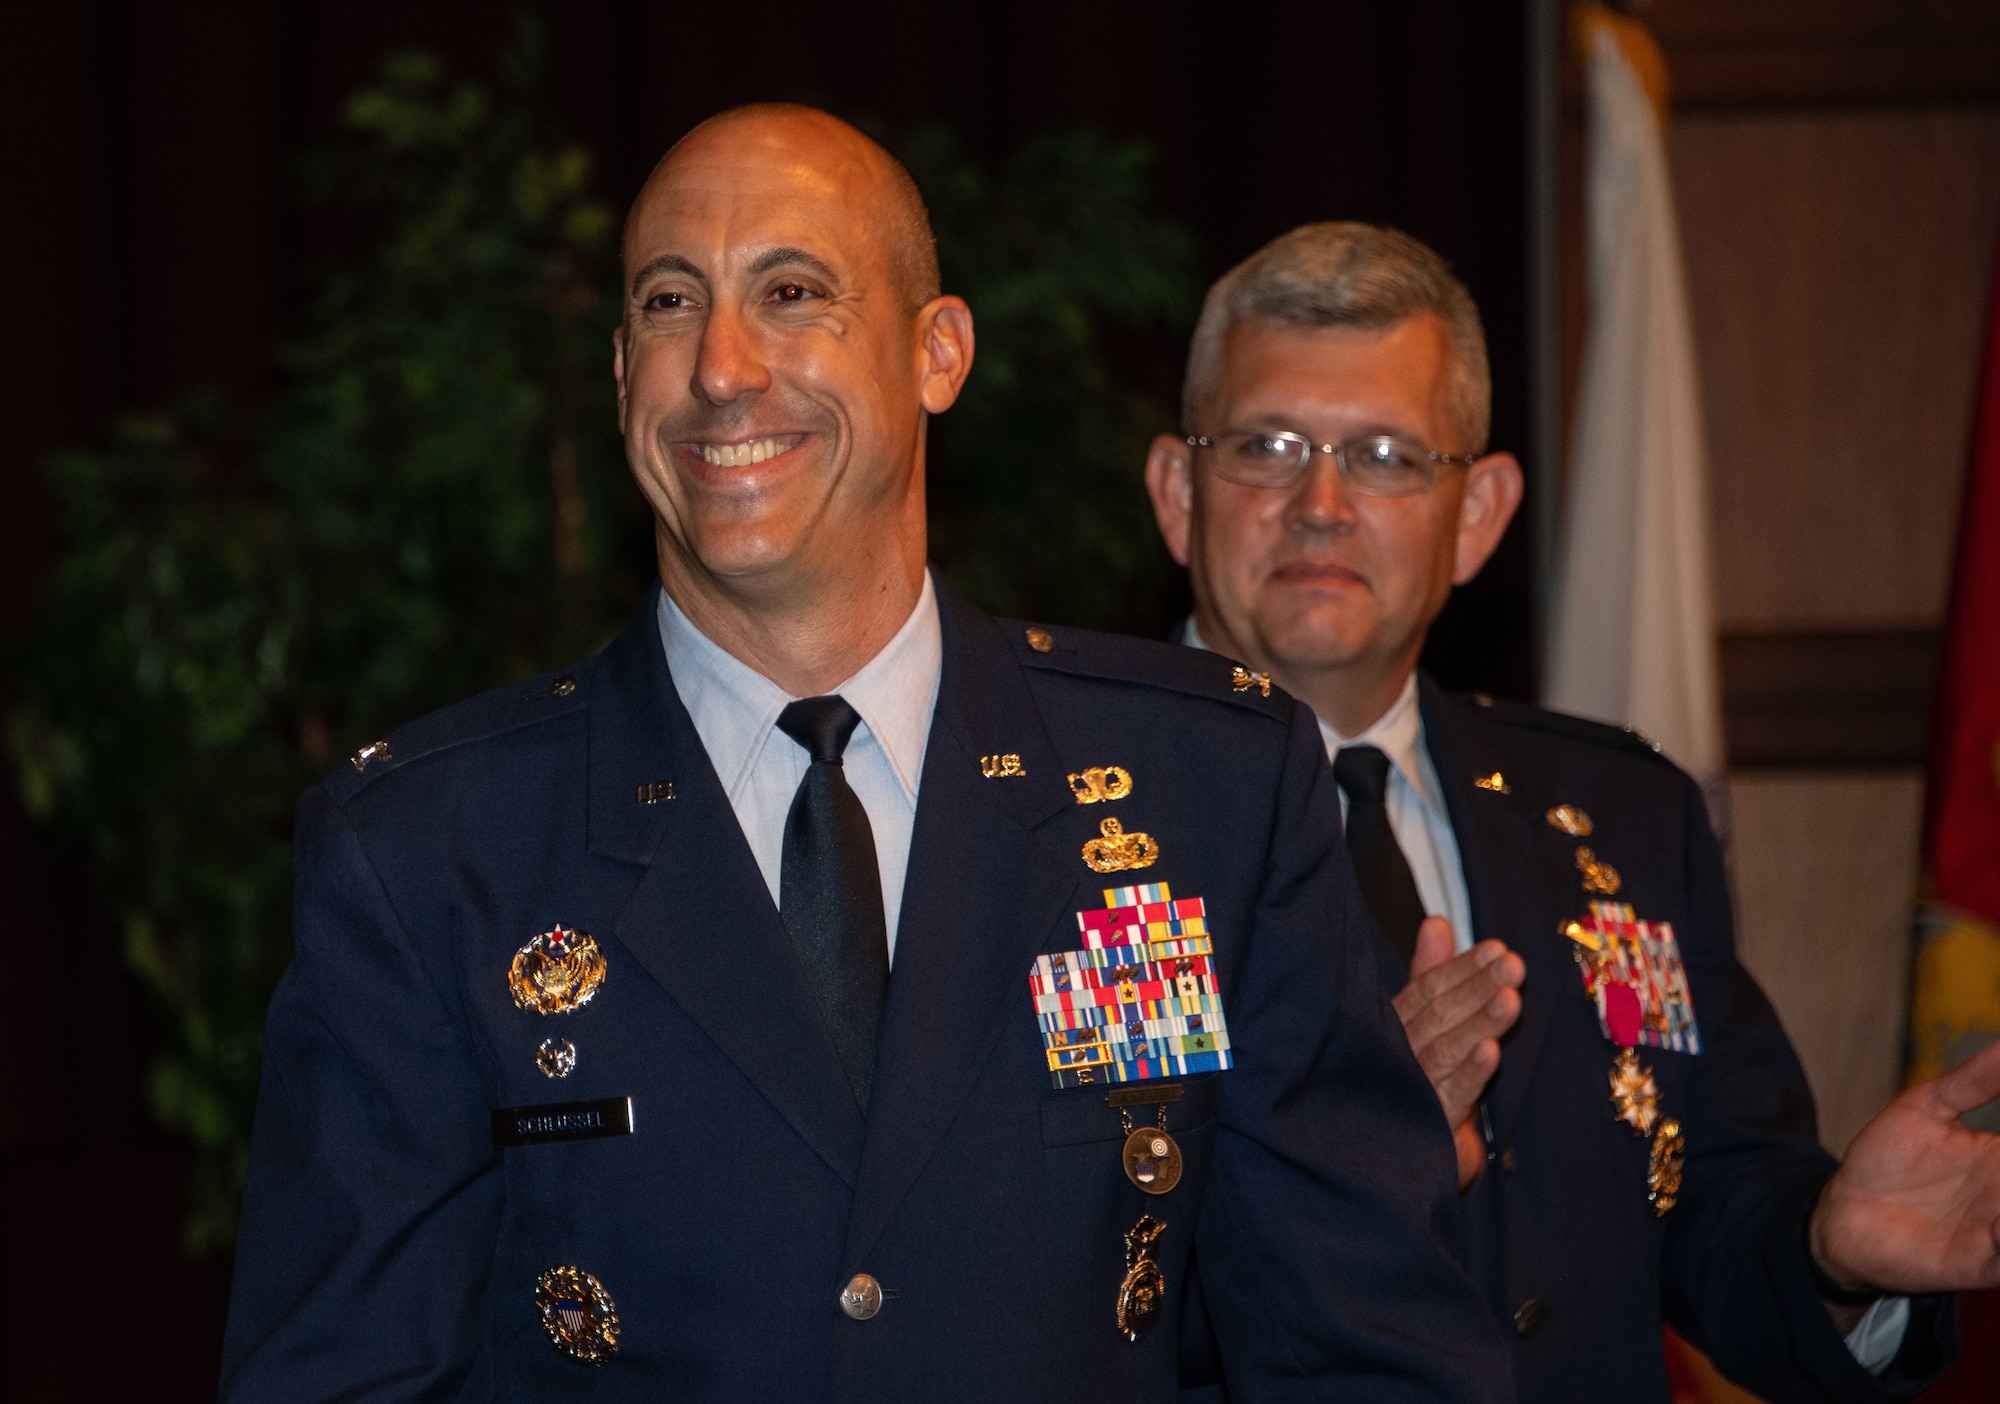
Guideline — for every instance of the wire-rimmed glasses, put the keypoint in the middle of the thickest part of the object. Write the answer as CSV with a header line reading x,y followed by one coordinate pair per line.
x,y
1378,465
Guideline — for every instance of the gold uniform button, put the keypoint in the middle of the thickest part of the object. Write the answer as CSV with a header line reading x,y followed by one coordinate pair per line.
x,y
861,1298
1528,1318
1040,639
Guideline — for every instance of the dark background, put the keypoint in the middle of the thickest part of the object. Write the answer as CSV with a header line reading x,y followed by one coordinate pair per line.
x,y
157,243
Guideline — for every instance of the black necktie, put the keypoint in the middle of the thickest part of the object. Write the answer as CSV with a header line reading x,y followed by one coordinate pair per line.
x,y
1386,884
830,891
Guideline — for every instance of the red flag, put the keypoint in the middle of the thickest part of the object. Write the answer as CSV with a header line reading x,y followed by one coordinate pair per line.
x,y
1962,828
1955,1004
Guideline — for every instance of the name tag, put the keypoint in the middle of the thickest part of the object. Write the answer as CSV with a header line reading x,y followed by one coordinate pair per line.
x,y
562,1121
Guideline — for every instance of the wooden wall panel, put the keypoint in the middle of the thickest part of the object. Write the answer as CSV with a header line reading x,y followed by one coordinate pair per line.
x,y
1838,267
1825,867
1761,53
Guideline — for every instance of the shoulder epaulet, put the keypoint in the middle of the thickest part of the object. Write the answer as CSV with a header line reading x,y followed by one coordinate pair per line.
x,y
1621,738
1123,658
526,703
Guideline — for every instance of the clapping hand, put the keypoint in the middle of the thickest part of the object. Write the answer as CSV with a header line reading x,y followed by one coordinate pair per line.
x,y
1915,1207
1454,1010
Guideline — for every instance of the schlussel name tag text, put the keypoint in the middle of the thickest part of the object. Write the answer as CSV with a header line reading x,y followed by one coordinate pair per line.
x,y
561,1121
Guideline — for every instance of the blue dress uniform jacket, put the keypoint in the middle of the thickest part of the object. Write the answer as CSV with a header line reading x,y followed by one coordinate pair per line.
x,y
1562,1238
389,1251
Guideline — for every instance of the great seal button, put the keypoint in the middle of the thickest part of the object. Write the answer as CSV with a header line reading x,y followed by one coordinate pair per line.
x,y
861,1298
1528,1318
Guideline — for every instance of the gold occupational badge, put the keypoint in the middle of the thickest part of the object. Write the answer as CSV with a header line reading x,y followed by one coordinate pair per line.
x,y
1635,1097
1570,819
1114,850
1144,1289
557,971
1496,783
1099,783
1663,1167
578,1314
1598,877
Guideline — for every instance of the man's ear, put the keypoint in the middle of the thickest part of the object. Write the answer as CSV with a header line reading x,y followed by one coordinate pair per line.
x,y
1493,487
944,340
618,370
1170,483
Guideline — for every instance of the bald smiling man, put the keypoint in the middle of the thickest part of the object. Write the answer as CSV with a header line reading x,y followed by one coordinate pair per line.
x,y
828,991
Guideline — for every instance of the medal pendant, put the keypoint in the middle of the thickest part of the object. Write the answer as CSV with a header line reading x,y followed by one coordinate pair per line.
x,y
1152,1160
1635,1097
1663,1169
1144,1290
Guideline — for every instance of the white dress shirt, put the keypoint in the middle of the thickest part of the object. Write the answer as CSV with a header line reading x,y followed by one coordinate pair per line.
x,y
1417,817
735,712
1423,831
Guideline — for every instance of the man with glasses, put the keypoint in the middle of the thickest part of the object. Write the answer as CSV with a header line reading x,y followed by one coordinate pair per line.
x,y
1636,1138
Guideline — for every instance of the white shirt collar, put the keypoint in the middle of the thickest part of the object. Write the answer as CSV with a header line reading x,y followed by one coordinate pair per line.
x,y
735,707
1398,733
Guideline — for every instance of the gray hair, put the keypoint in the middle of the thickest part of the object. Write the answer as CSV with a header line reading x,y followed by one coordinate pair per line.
x,y
1347,275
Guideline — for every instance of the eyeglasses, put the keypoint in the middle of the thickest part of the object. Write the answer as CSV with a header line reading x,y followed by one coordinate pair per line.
x,y
1376,465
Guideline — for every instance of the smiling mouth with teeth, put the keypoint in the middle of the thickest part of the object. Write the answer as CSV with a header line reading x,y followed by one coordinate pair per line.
x,y
751,451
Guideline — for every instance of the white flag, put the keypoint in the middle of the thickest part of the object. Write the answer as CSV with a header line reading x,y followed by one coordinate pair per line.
x,y
1633,636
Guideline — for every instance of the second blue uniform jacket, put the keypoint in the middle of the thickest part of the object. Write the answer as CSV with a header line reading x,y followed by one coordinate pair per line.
x,y
1563,1236
389,1252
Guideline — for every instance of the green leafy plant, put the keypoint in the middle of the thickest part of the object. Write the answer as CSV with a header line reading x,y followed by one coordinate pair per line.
x,y
437,502
1037,505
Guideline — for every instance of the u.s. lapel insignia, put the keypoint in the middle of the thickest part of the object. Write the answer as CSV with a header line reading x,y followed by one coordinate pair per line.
x,y
1002,767
557,972
1663,1167
1241,679
1569,819
1115,851
578,1314
1144,1289
1496,783
1098,783
1599,877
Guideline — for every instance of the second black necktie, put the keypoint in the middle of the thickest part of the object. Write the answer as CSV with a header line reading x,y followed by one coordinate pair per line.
x,y
830,889
1386,884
